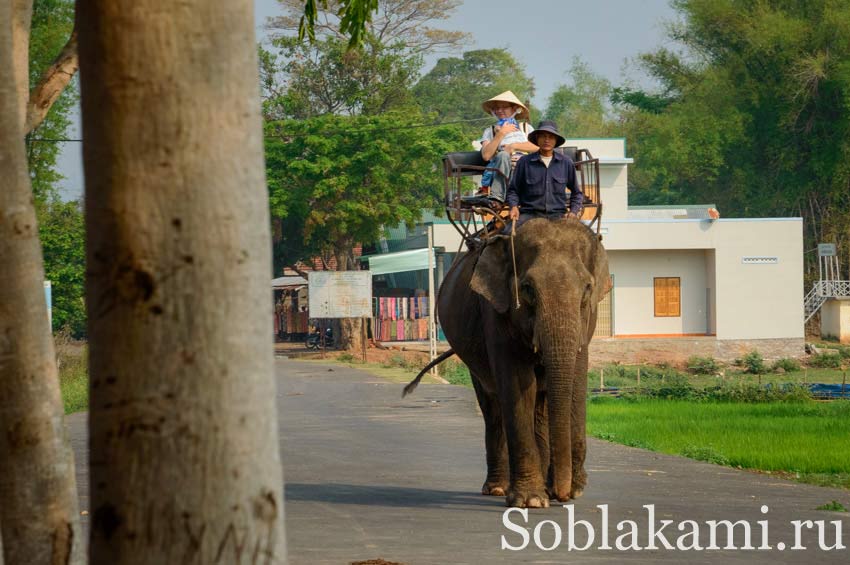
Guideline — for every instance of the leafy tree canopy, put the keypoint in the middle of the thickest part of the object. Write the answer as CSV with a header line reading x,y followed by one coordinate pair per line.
x,y
306,80
455,88
62,233
582,108
52,22
337,180
759,112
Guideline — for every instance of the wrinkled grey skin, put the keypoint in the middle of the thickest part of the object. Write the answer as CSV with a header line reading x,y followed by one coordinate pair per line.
x,y
529,364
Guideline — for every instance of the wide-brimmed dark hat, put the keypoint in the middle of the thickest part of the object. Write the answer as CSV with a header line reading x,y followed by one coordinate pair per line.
x,y
551,127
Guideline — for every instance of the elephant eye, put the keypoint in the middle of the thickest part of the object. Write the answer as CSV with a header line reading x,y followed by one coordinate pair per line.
x,y
527,292
588,292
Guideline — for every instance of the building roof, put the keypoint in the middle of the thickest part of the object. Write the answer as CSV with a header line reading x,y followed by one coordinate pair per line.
x,y
286,282
677,212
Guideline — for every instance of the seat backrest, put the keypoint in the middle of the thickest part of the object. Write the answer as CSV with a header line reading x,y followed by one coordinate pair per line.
x,y
464,163
568,151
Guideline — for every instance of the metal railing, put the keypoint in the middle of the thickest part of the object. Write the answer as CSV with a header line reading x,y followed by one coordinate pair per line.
x,y
820,292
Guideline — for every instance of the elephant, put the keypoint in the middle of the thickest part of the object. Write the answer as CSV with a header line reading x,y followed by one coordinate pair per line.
x,y
525,341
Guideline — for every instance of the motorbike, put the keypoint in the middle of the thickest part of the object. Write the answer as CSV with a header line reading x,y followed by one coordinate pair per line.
x,y
314,340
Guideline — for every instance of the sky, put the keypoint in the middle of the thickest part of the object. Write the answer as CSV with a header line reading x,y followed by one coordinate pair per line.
x,y
543,35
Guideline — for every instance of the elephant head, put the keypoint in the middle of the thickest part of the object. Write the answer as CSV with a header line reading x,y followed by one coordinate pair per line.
x,y
550,302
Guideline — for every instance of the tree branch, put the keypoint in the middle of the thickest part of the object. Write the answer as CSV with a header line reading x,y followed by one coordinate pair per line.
x,y
53,81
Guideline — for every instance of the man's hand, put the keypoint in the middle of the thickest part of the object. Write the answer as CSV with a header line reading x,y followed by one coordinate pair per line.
x,y
572,215
514,213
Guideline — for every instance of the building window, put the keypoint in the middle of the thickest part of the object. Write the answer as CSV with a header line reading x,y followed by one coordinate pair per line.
x,y
668,303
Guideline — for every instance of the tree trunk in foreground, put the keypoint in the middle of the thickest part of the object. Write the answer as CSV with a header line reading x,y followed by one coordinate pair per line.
x,y
38,499
185,466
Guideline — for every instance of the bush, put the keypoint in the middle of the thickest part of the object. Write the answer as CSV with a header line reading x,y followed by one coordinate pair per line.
x,y
787,365
844,352
753,363
826,360
456,373
703,365
703,453
753,393
675,386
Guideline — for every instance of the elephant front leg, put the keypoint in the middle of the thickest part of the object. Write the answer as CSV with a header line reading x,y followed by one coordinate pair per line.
x,y
496,483
519,400
578,423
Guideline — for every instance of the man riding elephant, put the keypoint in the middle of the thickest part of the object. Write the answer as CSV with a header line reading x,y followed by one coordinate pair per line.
x,y
538,185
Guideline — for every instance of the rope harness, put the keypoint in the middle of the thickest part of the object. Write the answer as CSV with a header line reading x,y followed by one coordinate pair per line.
x,y
513,258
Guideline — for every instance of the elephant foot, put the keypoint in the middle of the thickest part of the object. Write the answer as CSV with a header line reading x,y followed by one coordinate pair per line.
x,y
578,484
494,488
527,498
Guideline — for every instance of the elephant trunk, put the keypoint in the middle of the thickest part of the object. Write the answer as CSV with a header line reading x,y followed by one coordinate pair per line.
x,y
559,346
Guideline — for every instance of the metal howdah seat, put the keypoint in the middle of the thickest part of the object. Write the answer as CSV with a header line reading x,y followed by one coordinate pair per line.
x,y
470,215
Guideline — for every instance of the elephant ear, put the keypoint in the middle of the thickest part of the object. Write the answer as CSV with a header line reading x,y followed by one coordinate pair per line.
x,y
601,275
492,271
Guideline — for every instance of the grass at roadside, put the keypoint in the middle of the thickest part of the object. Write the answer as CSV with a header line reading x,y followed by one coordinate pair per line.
x,y
73,377
807,441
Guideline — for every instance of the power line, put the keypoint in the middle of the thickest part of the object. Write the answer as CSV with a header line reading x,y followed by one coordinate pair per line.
x,y
293,135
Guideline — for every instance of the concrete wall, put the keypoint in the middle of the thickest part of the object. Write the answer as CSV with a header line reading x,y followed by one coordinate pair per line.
x,y
759,301
835,319
634,291
752,300
677,350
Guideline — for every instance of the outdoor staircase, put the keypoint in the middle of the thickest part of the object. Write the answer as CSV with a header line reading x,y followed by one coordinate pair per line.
x,y
821,291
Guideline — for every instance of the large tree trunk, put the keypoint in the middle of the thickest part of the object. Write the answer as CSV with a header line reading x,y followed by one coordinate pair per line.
x,y
350,329
38,501
185,466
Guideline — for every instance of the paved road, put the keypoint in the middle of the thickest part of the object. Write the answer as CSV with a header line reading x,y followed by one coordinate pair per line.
x,y
372,476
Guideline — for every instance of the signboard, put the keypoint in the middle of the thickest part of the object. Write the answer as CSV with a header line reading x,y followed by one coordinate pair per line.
x,y
826,250
340,294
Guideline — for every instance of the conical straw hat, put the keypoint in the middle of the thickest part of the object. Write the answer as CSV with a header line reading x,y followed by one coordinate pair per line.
x,y
510,97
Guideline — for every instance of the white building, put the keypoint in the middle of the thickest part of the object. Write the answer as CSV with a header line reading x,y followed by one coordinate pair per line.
x,y
721,287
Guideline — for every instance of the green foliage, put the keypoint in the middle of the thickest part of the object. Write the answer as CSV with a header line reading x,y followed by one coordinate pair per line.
x,y
455,88
752,393
752,113
326,78
753,363
704,453
826,360
348,358
62,233
787,365
703,365
72,360
52,21
582,108
833,506
335,180
457,373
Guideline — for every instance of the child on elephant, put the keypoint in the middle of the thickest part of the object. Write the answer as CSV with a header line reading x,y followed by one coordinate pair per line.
x,y
503,143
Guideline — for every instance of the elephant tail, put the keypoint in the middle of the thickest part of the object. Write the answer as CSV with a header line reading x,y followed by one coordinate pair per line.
x,y
411,386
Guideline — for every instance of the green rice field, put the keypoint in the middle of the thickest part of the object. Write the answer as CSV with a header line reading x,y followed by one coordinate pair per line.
x,y
806,440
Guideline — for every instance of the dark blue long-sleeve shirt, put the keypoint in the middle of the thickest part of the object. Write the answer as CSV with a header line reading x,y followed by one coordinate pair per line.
x,y
536,188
